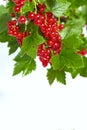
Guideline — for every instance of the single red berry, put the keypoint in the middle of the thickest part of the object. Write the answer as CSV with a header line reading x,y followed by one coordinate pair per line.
x,y
61,26
20,35
31,15
22,19
17,9
82,52
12,15
56,46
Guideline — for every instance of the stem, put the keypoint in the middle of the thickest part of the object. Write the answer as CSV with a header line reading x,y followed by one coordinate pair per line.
x,y
35,3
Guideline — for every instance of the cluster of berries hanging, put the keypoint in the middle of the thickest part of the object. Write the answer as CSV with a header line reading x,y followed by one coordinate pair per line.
x,y
48,25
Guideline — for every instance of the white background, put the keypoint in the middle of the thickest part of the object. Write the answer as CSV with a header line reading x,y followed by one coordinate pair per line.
x,y
29,103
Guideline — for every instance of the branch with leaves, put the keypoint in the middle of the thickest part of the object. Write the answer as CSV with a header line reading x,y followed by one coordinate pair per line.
x,y
51,30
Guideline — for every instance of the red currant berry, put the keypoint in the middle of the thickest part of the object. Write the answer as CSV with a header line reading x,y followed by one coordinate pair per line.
x,y
17,9
31,15
22,19
61,26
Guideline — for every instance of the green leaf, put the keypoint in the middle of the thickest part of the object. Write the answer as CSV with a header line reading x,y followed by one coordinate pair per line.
x,y
83,71
71,27
56,74
51,75
73,41
3,20
58,7
30,44
28,6
61,77
4,37
57,62
24,64
3,10
73,73
50,3
10,5
72,59
75,3
13,46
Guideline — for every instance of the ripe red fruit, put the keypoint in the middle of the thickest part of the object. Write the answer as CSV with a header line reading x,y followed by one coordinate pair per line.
x,y
20,35
31,15
22,19
17,9
13,15
82,52
61,26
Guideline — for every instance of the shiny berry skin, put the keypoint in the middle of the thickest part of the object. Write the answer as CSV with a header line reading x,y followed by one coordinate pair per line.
x,y
17,9
22,19
61,26
82,52
20,35
31,15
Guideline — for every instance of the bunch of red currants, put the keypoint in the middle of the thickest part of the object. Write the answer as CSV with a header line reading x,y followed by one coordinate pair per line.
x,y
48,25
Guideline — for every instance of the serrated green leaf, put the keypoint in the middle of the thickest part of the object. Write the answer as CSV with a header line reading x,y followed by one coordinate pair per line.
x,y
73,73
61,77
51,75
71,27
24,64
72,59
50,3
58,7
3,20
56,74
4,37
73,41
13,46
28,6
57,63
30,44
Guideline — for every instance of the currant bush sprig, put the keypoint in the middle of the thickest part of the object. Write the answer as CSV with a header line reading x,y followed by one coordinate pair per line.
x,y
47,30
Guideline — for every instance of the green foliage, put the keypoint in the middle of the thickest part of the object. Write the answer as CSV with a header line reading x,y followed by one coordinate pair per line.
x,y
31,42
57,62
10,6
83,71
13,46
67,58
71,59
29,6
75,3
4,19
58,7
72,41
4,37
56,74
2,10
24,64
